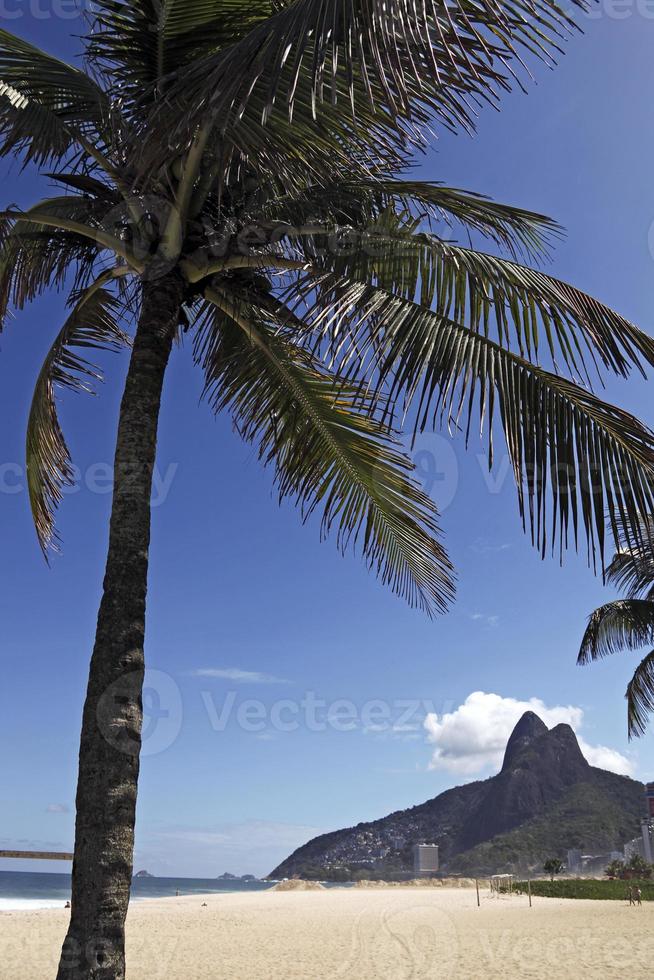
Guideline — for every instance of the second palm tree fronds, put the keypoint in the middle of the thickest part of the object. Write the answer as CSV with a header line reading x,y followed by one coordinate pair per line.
x,y
628,624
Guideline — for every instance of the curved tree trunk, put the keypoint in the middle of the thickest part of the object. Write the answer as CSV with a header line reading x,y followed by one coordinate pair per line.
x,y
111,727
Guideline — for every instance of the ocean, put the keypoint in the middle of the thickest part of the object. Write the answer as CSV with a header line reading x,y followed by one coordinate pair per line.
x,y
28,890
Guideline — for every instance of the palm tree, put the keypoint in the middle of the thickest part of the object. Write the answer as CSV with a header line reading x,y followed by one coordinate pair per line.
x,y
553,866
237,171
628,624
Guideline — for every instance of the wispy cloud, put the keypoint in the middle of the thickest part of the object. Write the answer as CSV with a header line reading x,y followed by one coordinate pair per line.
x,y
483,547
394,732
485,620
399,771
57,808
238,676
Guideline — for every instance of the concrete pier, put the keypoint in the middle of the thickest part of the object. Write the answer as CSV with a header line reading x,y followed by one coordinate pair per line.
x,y
37,855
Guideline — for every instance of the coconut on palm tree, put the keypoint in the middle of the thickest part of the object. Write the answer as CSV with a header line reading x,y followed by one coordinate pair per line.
x,y
628,624
238,172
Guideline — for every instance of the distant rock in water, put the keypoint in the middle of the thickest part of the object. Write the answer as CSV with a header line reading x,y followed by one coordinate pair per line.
x,y
546,800
229,877
143,874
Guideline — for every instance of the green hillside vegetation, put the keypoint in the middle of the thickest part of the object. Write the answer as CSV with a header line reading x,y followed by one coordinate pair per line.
x,y
589,816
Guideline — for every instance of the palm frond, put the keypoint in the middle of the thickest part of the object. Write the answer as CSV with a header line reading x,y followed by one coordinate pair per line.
x,y
420,59
34,262
519,231
290,152
143,42
632,571
47,106
35,257
624,624
521,307
97,189
362,203
77,215
564,443
632,568
640,697
326,448
91,325
79,208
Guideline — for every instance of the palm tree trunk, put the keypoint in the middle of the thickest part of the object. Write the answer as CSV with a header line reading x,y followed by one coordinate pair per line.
x,y
111,727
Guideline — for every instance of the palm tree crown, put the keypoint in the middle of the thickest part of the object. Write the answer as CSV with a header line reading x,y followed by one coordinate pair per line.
x,y
259,151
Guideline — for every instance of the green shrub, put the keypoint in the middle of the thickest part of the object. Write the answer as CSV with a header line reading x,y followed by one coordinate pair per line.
x,y
586,888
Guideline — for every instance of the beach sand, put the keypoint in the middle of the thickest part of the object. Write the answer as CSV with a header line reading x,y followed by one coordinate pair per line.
x,y
376,934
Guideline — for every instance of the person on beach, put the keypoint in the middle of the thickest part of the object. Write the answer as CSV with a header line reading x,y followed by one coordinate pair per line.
x,y
638,896
630,895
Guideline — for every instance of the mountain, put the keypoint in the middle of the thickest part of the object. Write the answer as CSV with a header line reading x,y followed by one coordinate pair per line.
x,y
545,800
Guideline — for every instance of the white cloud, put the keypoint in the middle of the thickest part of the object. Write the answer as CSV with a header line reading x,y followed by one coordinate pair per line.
x,y
484,547
238,676
606,758
57,808
485,620
473,737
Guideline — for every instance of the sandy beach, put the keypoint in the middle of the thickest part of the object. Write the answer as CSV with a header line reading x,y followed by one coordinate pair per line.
x,y
376,934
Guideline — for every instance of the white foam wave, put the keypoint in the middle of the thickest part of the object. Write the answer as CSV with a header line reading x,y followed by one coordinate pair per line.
x,y
30,904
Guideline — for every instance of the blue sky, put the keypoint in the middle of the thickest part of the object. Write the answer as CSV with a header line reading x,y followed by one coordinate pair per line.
x,y
247,605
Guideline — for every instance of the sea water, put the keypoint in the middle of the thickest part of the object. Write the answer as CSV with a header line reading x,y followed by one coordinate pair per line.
x,y
23,890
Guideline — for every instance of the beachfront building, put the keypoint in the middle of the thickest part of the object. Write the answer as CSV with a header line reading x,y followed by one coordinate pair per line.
x,y
647,824
425,859
574,861
649,798
595,864
634,848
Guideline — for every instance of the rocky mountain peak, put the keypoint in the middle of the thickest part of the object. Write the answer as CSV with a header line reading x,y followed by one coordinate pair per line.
x,y
529,728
